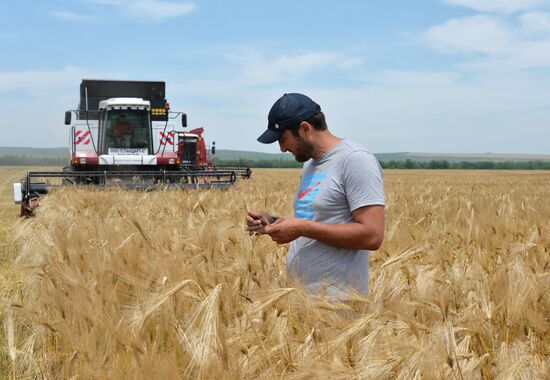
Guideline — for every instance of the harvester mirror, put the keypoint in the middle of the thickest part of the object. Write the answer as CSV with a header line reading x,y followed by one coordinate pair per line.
x,y
213,147
68,118
184,120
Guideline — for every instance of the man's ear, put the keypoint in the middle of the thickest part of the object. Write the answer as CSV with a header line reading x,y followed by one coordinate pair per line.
x,y
305,128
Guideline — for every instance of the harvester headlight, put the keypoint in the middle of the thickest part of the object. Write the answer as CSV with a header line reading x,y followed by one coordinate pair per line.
x,y
158,111
82,160
171,161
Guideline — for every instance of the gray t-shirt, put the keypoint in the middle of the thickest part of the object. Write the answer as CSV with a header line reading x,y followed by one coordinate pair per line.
x,y
342,180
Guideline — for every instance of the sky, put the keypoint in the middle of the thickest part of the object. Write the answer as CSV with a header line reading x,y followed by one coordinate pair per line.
x,y
453,76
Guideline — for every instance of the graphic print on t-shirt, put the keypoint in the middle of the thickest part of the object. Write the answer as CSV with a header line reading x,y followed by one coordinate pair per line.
x,y
309,188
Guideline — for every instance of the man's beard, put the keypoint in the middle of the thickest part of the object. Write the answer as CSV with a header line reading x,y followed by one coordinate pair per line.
x,y
304,150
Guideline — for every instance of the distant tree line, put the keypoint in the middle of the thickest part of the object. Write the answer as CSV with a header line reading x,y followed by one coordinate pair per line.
x,y
444,164
281,163
408,164
32,161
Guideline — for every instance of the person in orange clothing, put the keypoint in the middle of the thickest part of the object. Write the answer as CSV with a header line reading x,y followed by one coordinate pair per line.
x,y
123,132
122,127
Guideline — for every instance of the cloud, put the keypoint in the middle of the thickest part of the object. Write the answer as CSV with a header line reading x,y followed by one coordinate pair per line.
x,y
34,102
533,23
350,63
498,6
34,81
411,79
258,68
71,16
48,82
441,111
150,10
159,10
475,34
496,42
391,111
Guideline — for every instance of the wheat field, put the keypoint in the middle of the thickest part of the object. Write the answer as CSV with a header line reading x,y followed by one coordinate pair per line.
x,y
168,284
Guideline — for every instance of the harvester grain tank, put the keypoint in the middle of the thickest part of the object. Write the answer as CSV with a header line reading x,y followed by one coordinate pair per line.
x,y
124,135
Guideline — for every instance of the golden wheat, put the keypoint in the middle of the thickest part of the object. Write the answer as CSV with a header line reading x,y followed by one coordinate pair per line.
x,y
168,284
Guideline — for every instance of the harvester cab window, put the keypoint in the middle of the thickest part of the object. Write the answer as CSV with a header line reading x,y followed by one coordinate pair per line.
x,y
189,150
128,129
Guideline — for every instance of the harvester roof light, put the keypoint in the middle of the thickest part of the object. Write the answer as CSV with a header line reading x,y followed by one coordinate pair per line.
x,y
167,105
126,103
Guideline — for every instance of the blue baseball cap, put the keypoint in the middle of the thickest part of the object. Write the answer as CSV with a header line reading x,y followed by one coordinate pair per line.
x,y
289,110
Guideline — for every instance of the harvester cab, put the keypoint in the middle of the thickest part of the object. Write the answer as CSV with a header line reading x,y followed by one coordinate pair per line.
x,y
123,125
126,125
125,136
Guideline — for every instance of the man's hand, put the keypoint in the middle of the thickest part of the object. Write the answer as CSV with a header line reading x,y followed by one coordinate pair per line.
x,y
256,222
285,229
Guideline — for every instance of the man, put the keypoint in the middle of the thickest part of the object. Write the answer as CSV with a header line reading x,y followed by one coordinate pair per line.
x,y
339,205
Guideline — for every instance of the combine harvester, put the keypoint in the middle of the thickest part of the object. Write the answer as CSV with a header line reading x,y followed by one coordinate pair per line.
x,y
125,136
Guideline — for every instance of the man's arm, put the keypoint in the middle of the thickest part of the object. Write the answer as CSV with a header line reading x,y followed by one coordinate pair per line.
x,y
365,232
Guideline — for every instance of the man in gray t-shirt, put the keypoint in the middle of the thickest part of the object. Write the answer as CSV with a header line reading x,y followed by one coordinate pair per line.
x,y
339,205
